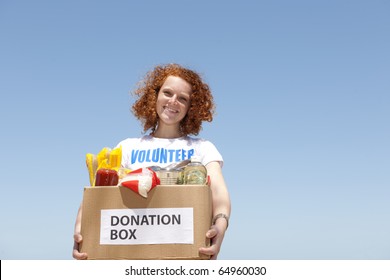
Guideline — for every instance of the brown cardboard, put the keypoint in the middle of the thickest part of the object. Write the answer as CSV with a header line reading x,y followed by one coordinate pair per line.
x,y
175,196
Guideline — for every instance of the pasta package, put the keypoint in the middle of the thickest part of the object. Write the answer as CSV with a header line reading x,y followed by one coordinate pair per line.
x,y
103,155
92,165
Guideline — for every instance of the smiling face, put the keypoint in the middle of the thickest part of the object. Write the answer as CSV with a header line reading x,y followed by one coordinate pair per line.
x,y
173,102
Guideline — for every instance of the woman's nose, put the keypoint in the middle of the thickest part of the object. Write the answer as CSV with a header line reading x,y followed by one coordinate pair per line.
x,y
173,99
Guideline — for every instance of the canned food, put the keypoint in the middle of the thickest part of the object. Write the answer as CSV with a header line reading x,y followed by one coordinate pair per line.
x,y
169,176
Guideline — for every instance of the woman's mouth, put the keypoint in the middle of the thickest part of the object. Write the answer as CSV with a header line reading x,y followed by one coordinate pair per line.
x,y
170,110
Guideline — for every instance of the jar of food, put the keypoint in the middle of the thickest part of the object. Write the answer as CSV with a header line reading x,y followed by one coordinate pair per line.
x,y
169,176
106,177
195,172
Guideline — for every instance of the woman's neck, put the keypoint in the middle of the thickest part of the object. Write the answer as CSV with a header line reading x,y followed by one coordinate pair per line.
x,y
167,132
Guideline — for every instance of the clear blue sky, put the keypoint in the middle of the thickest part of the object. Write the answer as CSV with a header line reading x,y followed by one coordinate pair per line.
x,y
302,91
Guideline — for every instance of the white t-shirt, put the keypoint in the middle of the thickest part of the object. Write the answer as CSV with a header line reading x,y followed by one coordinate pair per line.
x,y
151,151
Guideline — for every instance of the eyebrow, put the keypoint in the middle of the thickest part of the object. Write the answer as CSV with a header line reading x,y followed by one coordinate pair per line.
x,y
171,89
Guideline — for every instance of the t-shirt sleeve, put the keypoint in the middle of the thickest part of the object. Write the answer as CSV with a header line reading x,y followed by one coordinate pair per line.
x,y
126,145
210,153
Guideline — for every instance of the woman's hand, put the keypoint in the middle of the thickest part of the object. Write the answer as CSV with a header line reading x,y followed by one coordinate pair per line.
x,y
78,238
216,234
76,252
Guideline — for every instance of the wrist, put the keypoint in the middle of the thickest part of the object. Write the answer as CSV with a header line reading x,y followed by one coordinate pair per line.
x,y
221,216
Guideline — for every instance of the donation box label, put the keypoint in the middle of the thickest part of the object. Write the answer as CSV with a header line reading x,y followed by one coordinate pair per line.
x,y
147,226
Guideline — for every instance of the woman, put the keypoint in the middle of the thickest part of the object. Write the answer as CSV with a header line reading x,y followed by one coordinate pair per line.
x,y
173,101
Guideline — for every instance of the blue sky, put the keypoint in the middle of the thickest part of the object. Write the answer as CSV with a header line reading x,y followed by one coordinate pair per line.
x,y
302,91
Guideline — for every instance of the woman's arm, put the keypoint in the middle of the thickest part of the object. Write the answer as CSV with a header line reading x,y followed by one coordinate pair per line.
x,y
221,205
78,238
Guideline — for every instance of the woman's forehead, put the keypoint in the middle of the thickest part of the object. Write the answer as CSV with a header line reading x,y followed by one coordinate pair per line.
x,y
178,84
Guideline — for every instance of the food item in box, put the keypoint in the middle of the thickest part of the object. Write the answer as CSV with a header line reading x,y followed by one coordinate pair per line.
x,y
170,176
103,155
115,158
140,181
106,177
122,172
195,173
92,166
106,159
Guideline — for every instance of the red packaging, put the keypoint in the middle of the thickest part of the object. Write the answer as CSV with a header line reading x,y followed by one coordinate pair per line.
x,y
140,181
106,177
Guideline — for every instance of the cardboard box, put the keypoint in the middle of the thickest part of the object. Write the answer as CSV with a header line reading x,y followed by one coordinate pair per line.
x,y
171,223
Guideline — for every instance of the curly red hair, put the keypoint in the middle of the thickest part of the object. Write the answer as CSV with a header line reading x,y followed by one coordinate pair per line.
x,y
201,108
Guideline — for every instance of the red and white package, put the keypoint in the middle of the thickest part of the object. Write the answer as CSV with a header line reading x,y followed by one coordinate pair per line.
x,y
140,181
